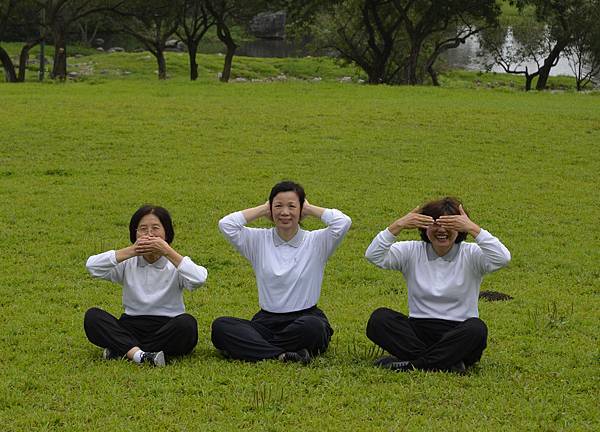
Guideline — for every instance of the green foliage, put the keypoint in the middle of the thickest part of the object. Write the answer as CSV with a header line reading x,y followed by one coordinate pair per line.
x,y
77,159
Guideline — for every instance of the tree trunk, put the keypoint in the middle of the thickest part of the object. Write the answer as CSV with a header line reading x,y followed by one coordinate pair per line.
x,y
528,80
162,64
231,47
24,58
192,51
59,68
413,63
433,75
7,64
549,63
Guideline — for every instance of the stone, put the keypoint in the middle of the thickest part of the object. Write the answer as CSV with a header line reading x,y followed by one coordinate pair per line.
x,y
494,296
240,79
346,79
268,25
100,49
171,43
181,46
316,79
98,42
116,49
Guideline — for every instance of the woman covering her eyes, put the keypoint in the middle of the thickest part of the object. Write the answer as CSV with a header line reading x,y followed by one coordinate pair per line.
x,y
443,274
153,276
288,262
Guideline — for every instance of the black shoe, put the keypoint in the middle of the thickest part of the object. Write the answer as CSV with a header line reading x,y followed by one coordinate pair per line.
x,y
458,368
109,355
223,353
154,358
302,356
393,363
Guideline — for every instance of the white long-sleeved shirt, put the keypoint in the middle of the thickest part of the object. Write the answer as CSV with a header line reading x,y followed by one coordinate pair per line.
x,y
288,274
149,289
440,287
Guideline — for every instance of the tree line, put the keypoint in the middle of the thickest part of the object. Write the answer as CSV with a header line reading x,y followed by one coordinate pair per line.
x,y
392,41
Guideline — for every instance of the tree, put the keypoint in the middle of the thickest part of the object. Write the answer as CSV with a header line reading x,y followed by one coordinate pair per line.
x,y
15,16
152,23
194,21
583,54
562,19
229,13
61,16
428,21
513,46
368,33
399,41
467,21
6,11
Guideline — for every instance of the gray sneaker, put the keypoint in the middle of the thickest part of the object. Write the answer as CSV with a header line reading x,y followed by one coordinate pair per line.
x,y
109,355
302,356
393,363
154,358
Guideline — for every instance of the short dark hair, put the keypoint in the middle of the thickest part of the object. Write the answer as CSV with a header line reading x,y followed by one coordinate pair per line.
x,y
288,186
440,207
160,212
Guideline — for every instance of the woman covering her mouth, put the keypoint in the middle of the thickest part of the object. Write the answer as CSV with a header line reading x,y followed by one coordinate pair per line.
x,y
443,276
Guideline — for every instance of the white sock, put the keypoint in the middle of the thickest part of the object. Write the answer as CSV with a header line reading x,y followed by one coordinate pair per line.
x,y
137,356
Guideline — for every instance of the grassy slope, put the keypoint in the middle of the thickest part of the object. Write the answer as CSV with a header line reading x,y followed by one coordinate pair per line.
x,y
76,160
96,67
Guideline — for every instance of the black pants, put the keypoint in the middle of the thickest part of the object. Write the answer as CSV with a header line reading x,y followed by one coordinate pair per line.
x,y
429,344
268,334
173,335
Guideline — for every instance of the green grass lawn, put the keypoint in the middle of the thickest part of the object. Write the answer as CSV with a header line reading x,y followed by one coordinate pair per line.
x,y
77,159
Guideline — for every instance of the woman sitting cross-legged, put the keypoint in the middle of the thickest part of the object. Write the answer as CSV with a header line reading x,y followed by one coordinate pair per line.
x,y
443,275
153,276
288,262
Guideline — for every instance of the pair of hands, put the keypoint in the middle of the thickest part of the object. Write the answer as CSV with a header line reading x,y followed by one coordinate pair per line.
x,y
146,245
415,220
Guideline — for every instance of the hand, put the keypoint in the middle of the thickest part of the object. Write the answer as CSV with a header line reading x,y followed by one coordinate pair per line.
x,y
311,210
146,245
412,220
305,209
459,222
267,211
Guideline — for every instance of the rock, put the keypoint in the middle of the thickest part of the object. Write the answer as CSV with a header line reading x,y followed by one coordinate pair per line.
x,y
73,75
98,42
100,49
281,77
346,79
174,45
268,25
316,79
361,81
220,75
116,49
494,296
240,79
78,56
